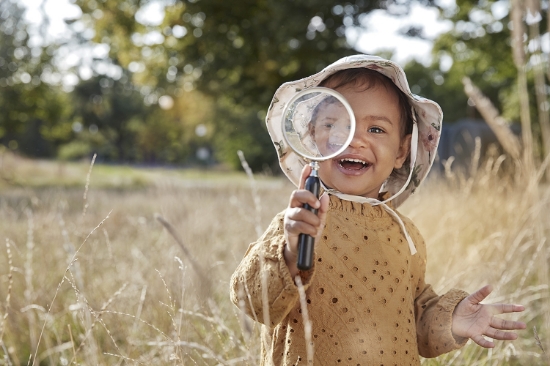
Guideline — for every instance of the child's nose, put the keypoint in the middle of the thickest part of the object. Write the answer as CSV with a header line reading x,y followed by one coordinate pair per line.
x,y
340,134
359,140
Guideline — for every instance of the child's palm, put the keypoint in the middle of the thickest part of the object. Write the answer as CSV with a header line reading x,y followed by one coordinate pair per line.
x,y
474,320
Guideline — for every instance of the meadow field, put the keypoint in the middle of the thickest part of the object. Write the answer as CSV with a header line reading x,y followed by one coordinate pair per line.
x,y
113,265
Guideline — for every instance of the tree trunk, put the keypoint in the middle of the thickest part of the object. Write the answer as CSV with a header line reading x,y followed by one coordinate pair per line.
x,y
517,11
510,143
543,107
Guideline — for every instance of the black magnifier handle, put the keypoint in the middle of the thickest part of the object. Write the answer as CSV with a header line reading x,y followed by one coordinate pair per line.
x,y
306,242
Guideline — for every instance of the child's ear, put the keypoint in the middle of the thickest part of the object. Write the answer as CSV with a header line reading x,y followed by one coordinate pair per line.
x,y
311,131
403,152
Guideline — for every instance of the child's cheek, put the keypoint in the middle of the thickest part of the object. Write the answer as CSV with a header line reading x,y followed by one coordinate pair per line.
x,y
324,170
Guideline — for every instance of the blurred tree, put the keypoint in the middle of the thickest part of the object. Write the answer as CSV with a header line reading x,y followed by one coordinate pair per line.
x,y
33,109
479,46
522,71
104,111
111,119
445,88
237,53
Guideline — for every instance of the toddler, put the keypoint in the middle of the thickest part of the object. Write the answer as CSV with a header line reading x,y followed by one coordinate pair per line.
x,y
366,299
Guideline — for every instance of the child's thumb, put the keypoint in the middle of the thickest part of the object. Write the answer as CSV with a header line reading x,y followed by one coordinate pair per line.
x,y
325,199
322,214
306,170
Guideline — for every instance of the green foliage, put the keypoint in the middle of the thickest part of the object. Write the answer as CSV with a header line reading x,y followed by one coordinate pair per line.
x,y
74,150
236,53
247,134
479,47
447,92
160,139
218,64
106,108
32,109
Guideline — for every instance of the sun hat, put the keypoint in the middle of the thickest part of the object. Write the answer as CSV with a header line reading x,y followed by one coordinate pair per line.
x,y
427,117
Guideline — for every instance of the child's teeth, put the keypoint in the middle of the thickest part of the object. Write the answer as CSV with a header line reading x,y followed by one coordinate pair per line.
x,y
354,161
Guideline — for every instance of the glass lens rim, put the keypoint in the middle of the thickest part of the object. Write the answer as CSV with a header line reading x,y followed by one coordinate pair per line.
x,y
341,99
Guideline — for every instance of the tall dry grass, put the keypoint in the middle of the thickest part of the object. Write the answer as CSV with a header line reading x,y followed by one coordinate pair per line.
x,y
491,228
102,281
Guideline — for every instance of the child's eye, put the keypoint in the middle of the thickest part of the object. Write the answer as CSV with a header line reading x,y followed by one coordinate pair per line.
x,y
376,130
329,125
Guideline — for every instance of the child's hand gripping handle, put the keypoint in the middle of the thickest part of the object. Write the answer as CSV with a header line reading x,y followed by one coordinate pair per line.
x,y
306,242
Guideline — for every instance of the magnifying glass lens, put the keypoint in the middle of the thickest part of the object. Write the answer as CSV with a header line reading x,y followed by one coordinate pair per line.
x,y
318,124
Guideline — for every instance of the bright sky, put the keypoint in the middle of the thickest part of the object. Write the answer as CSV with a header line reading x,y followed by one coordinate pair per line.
x,y
381,34
57,10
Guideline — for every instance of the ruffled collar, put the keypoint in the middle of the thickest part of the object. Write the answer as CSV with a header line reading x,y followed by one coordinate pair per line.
x,y
384,200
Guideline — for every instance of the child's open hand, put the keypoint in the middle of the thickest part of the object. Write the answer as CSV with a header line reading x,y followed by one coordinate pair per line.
x,y
298,220
474,320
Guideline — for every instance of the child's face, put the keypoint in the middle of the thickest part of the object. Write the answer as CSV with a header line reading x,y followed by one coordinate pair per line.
x,y
377,146
330,129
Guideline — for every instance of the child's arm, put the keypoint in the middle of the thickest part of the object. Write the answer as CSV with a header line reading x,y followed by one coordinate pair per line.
x,y
474,320
263,283
446,322
299,220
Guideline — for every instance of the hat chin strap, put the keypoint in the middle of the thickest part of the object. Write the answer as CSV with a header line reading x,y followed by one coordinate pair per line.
x,y
414,150
376,202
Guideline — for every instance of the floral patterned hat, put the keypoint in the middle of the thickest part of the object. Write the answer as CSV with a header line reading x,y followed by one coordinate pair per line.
x,y
427,116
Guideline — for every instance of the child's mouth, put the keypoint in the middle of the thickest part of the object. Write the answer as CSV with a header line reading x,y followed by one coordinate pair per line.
x,y
353,164
332,147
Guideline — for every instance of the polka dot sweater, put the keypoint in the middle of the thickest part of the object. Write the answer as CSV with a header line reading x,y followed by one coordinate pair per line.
x,y
366,297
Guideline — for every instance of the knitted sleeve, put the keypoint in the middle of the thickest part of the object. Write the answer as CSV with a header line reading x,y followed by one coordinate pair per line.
x,y
433,312
262,286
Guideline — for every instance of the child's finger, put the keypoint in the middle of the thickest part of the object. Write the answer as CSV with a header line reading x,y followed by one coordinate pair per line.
x,y
509,308
480,294
322,214
300,197
301,221
503,324
500,335
480,340
300,227
301,214
323,207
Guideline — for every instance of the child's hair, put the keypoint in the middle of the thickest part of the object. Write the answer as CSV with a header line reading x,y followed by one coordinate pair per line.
x,y
364,79
313,121
325,102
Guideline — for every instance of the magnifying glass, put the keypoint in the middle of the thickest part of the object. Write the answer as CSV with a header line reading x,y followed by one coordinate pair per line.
x,y
318,124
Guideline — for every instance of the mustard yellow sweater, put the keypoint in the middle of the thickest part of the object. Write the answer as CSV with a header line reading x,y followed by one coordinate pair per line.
x,y
366,297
